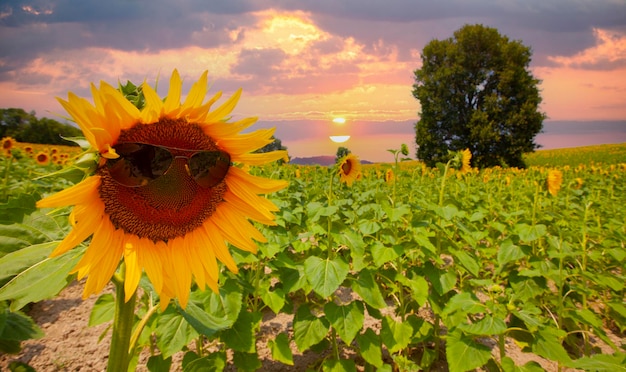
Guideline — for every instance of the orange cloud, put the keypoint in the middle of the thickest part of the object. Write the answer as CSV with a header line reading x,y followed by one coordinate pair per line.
x,y
608,53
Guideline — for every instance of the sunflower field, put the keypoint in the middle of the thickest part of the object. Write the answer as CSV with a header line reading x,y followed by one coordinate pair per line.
x,y
403,268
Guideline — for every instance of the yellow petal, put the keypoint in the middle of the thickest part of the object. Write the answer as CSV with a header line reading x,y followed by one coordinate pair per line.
x,y
172,101
85,192
226,108
237,177
131,262
259,158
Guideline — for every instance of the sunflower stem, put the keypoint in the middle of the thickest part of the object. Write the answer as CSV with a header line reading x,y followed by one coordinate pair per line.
x,y
119,355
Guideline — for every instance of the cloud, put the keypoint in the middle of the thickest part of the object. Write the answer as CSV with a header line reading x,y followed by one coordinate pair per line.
x,y
609,53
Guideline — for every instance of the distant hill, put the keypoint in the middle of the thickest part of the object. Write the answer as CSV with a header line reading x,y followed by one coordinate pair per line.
x,y
323,160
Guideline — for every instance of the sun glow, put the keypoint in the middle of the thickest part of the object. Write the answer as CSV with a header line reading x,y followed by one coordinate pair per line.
x,y
339,120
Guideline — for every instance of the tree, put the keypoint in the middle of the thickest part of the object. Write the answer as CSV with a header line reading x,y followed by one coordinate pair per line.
x,y
476,92
341,153
25,127
275,145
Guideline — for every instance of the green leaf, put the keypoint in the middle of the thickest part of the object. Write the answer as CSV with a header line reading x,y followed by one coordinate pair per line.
x,y
241,336
308,329
103,310
20,367
14,210
156,363
443,281
214,362
463,353
395,335
546,343
508,365
281,351
508,252
205,321
370,347
530,233
173,332
487,326
368,227
325,276
17,326
246,361
464,303
275,299
339,365
15,262
365,286
467,261
381,254
347,319
419,288
602,362
43,280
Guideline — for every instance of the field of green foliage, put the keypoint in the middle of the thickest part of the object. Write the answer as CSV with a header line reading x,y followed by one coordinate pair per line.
x,y
452,267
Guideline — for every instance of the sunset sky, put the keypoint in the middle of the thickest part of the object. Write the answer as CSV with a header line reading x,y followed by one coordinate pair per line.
x,y
303,63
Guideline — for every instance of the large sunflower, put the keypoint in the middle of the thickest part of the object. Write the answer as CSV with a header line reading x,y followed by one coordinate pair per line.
x,y
349,169
149,202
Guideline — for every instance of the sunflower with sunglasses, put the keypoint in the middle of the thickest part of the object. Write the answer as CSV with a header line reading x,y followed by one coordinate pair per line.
x,y
169,191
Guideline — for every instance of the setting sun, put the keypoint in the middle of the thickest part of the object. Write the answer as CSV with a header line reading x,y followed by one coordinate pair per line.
x,y
339,139
339,120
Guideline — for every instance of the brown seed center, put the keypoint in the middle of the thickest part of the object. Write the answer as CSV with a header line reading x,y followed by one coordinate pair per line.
x,y
171,205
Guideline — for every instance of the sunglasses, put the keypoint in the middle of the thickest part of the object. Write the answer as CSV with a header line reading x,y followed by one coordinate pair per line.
x,y
140,163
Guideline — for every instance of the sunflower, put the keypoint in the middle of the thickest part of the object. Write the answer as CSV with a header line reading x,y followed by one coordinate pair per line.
x,y
389,176
466,157
349,169
8,143
555,178
169,190
42,158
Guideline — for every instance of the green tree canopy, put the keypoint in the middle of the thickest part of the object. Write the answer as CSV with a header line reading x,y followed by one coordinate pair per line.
x,y
341,153
476,92
25,127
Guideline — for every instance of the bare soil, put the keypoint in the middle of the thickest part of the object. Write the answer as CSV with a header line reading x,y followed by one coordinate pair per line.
x,y
70,345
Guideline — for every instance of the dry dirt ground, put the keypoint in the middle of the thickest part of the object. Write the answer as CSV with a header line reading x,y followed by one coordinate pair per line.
x,y
70,345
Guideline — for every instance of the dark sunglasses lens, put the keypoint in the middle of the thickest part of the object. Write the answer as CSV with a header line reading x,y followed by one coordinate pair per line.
x,y
138,163
209,168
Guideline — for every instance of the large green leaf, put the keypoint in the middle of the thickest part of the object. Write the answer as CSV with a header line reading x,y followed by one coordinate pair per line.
x,y
17,326
365,286
173,332
370,347
464,353
395,335
14,210
381,254
15,262
487,326
42,280
308,329
346,319
280,349
241,336
325,275
205,321
246,361
602,362
339,365
546,343
103,310
214,362
530,233
508,252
